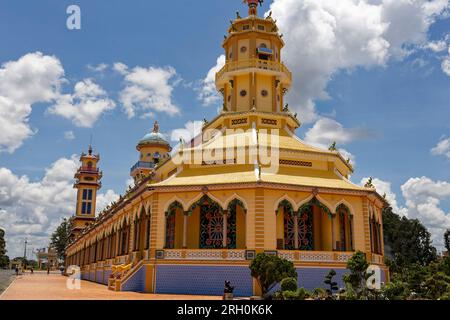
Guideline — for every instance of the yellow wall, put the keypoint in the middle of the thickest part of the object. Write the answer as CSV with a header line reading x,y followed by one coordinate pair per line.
x,y
242,83
264,103
240,228
193,239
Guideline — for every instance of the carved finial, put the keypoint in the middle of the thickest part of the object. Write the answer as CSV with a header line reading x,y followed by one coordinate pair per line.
x,y
286,108
156,127
238,15
253,6
90,150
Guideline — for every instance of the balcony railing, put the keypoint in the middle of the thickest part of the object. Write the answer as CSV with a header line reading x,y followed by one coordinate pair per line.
x,y
254,64
88,170
240,255
204,254
142,165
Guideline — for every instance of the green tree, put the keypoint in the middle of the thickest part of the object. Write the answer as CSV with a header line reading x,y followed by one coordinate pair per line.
x,y
332,285
269,270
358,275
60,238
447,240
407,241
4,259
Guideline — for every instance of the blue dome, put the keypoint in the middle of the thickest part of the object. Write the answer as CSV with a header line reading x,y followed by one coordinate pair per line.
x,y
153,138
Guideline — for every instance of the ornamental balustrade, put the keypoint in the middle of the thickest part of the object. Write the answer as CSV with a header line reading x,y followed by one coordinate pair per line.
x,y
377,259
254,64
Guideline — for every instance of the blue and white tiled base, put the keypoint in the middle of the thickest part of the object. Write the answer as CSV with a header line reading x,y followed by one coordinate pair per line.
x,y
202,280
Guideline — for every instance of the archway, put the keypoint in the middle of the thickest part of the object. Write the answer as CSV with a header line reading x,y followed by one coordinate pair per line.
x,y
319,219
210,215
294,229
173,222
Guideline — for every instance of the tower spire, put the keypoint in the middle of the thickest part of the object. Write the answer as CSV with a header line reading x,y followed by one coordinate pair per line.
x,y
253,6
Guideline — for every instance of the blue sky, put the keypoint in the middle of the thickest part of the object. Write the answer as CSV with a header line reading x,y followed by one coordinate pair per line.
x,y
394,109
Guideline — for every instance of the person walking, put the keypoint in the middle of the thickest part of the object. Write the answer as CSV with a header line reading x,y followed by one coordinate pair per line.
x,y
17,271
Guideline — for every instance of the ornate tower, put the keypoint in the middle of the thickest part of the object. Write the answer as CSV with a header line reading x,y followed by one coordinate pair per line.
x,y
88,178
254,78
153,149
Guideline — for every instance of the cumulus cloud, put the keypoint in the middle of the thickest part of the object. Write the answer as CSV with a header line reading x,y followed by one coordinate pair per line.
x,y
384,188
33,209
423,197
104,199
324,37
326,131
85,106
442,148
31,79
191,129
207,92
148,89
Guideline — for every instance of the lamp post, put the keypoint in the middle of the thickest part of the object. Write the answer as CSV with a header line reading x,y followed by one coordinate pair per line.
x,y
25,251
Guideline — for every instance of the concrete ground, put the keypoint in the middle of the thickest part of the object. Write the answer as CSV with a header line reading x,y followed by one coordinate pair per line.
x,y
40,286
6,277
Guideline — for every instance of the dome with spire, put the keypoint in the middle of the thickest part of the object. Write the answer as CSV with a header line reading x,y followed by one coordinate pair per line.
x,y
154,138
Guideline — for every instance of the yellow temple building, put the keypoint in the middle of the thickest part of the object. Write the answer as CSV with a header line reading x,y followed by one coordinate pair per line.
x,y
247,184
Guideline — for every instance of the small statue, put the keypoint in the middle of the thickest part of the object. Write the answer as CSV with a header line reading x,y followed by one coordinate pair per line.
x,y
238,15
270,15
156,127
286,108
333,147
228,287
369,183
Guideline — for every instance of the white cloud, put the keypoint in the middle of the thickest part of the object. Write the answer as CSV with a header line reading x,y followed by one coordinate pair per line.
x,y
325,36
104,199
121,68
191,129
85,106
442,148
446,64
207,92
31,79
437,46
385,188
69,135
98,68
327,130
148,89
33,209
423,197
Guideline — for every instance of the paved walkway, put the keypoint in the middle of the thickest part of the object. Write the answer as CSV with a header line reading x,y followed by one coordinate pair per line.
x,y
40,286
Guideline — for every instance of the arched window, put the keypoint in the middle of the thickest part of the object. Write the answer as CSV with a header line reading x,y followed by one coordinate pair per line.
x,y
170,224
345,228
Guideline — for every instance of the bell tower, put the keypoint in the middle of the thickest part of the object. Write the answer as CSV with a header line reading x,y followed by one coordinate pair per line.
x,y
254,78
87,183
